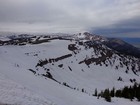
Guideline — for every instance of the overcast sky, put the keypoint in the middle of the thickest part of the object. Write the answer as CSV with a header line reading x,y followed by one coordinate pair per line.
x,y
105,17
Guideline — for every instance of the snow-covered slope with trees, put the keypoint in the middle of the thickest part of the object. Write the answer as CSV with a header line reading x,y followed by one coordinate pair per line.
x,y
65,70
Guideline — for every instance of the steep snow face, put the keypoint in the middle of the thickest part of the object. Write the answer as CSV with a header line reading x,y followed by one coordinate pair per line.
x,y
60,69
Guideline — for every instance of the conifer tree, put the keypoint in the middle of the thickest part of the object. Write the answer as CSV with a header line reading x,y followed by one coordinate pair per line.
x,y
112,93
118,93
106,95
125,92
95,93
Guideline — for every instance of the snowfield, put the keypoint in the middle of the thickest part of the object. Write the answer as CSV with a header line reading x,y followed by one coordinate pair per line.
x,y
21,86
12,93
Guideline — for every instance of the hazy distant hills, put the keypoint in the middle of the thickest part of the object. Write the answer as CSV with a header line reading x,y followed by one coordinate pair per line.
x,y
123,47
133,41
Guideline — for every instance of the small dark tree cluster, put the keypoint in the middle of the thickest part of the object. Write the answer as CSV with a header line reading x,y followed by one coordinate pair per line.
x,y
51,60
107,95
32,71
48,74
130,92
61,65
104,94
65,84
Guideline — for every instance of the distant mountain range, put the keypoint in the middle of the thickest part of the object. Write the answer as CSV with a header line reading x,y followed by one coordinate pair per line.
x,y
123,47
133,41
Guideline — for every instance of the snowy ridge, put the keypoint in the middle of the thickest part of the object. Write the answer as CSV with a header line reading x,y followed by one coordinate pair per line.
x,y
58,69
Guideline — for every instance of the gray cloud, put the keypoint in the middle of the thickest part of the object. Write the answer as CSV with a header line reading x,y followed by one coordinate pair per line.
x,y
65,15
129,27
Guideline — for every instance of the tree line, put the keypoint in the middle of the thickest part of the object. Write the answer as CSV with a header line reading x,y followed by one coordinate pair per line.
x,y
128,92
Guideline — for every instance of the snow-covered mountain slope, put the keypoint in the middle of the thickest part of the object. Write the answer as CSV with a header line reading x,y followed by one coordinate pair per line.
x,y
59,69
12,93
